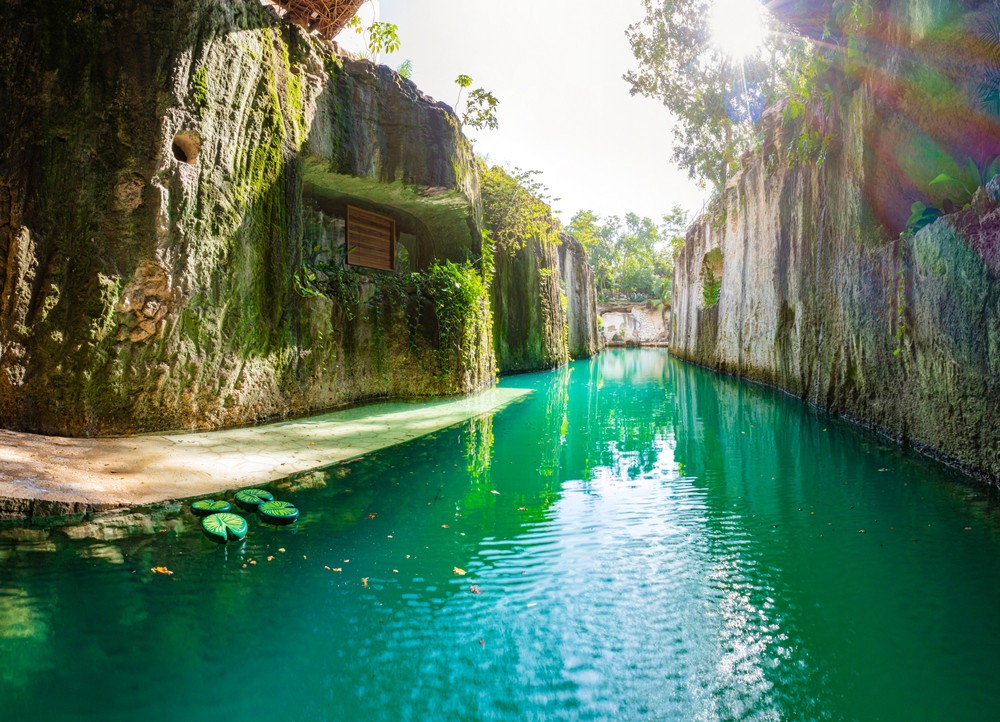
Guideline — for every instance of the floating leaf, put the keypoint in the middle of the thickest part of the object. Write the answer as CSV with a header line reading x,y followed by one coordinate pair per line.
x,y
204,507
475,589
161,570
459,572
224,527
250,499
278,512
494,491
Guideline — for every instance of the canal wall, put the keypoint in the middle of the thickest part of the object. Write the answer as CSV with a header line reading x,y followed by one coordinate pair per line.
x,y
805,276
173,197
577,278
634,324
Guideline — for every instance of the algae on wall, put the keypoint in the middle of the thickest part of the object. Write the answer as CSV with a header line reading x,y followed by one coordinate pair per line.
x,y
583,338
529,321
822,297
153,197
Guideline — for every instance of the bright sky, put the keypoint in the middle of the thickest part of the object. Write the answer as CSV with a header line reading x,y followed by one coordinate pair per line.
x,y
556,67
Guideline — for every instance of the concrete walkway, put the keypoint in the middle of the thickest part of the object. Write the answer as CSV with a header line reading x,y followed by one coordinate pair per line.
x,y
46,475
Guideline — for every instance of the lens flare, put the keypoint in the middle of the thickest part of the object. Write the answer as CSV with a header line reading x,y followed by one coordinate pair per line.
x,y
738,27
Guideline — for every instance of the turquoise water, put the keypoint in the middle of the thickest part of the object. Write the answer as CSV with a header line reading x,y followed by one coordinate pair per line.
x,y
641,539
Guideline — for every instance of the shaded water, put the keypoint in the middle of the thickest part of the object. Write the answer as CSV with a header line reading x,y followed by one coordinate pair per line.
x,y
664,544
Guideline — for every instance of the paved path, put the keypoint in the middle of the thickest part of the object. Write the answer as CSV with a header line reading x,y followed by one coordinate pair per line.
x,y
46,475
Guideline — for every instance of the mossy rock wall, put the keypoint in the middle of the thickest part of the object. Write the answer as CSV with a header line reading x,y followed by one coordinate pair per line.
x,y
819,294
530,329
151,218
583,337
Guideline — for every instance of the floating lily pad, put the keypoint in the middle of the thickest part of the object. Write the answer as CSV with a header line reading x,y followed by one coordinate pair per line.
x,y
204,507
224,527
278,512
250,499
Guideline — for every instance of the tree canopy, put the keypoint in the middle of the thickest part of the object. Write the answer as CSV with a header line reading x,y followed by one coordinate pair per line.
x,y
632,258
715,99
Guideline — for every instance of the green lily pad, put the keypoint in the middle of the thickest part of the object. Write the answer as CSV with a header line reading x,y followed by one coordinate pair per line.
x,y
278,512
204,507
250,499
224,527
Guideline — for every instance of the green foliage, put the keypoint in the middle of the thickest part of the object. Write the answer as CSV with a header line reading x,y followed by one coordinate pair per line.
x,y
634,259
711,289
405,69
955,189
380,37
969,178
715,100
458,293
481,110
711,278
515,208
480,107
463,82
920,216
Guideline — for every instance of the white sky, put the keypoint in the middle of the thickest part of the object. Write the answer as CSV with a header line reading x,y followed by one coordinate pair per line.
x,y
556,67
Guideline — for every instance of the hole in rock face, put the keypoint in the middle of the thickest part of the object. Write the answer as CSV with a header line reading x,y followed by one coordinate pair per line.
x,y
186,146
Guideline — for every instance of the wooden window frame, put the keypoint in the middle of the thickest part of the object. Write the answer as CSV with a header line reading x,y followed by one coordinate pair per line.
x,y
360,220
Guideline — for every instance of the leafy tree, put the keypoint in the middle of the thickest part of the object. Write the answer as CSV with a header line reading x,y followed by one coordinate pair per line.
x,y
381,37
463,82
633,258
481,110
515,207
715,99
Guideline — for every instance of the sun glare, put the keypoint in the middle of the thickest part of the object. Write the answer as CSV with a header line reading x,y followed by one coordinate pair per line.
x,y
738,27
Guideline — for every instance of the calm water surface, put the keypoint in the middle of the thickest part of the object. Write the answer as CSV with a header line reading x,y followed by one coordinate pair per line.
x,y
641,539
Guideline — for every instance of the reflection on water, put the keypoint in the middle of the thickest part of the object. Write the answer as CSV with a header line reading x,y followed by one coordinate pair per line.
x,y
637,539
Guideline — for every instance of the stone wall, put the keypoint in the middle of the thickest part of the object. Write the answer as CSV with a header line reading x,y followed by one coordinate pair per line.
x,y
530,329
581,298
821,296
634,324
165,164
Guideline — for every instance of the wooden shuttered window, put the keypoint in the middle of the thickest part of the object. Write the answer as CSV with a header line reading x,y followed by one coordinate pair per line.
x,y
371,239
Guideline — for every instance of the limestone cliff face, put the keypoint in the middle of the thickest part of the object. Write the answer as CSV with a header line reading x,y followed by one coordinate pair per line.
x,y
529,321
171,172
820,295
581,298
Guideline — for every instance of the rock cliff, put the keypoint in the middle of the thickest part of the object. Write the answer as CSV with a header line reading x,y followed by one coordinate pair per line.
x,y
800,277
581,298
529,320
172,192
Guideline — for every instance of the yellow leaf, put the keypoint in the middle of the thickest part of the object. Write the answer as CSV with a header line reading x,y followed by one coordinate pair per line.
x,y
364,582
161,570
459,572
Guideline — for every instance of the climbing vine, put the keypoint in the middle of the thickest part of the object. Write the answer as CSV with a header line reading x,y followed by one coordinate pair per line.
x,y
457,293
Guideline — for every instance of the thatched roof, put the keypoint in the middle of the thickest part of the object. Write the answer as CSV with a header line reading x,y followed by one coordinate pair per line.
x,y
324,17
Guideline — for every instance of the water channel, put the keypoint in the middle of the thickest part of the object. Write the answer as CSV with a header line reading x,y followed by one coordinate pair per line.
x,y
638,539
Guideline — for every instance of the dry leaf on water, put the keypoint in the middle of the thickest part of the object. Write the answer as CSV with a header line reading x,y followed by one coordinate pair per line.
x,y
459,572
161,570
